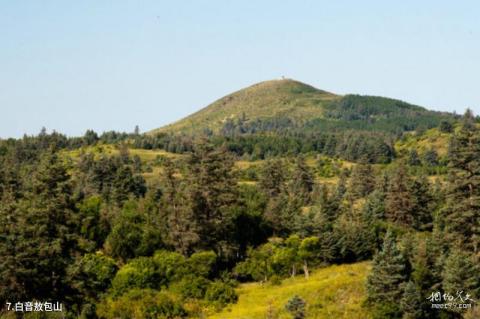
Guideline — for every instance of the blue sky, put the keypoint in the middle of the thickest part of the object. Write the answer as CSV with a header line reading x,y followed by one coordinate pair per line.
x,y
110,65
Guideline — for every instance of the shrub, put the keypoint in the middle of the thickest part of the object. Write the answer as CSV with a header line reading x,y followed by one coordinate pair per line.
x,y
296,306
201,264
221,294
275,280
172,266
93,274
138,273
192,286
141,304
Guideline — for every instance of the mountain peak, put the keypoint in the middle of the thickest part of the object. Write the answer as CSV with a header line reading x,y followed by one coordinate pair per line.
x,y
268,99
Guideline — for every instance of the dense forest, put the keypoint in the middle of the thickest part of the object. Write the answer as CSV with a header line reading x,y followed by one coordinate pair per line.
x,y
115,235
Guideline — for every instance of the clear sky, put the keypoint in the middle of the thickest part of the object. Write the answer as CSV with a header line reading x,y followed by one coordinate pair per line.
x,y
109,65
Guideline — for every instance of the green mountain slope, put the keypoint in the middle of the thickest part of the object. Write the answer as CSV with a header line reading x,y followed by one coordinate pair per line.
x,y
336,291
276,98
285,104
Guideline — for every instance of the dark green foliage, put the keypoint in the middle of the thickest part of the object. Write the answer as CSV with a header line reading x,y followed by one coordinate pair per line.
x,y
430,158
142,303
180,225
296,307
170,265
273,177
462,210
192,287
139,273
202,263
132,233
213,194
92,275
301,184
38,250
385,285
422,197
460,273
362,181
446,127
412,302
94,227
221,294
399,204
109,177
413,158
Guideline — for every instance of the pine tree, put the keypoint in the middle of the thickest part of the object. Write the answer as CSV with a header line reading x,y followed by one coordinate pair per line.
x,y
302,182
272,177
362,181
181,228
213,194
42,244
385,284
422,203
462,211
461,274
399,205
411,302
413,158
296,306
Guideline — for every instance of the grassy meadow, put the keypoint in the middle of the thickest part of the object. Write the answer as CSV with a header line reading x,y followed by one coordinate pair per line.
x,y
333,292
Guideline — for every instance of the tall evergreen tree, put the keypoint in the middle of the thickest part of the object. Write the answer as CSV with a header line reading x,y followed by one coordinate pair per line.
x,y
399,205
181,228
422,203
385,284
362,181
302,182
213,194
272,177
462,210
43,243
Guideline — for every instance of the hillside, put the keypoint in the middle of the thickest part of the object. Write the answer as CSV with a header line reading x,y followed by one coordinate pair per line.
x,y
286,104
276,98
331,292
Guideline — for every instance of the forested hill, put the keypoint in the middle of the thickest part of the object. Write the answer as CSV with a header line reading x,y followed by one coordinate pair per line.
x,y
279,105
289,117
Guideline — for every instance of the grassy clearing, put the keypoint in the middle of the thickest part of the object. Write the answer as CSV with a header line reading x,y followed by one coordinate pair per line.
x,y
332,292
432,138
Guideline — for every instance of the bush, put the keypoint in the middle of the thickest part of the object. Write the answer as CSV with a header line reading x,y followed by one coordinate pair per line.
x,y
93,274
192,287
296,306
138,273
201,264
275,280
141,304
172,266
221,294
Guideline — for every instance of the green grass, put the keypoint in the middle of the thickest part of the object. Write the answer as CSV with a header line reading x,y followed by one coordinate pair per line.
x,y
333,292
277,98
432,138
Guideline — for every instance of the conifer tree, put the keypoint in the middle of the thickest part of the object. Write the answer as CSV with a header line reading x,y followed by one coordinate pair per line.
x,y
181,229
43,243
462,209
461,274
399,204
385,284
272,177
422,203
362,181
302,182
213,194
